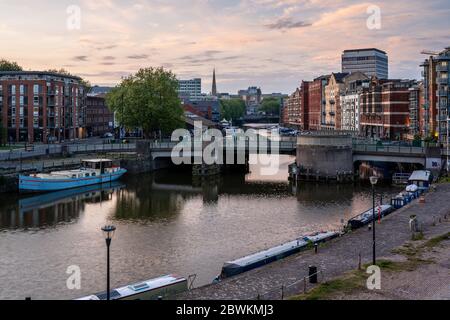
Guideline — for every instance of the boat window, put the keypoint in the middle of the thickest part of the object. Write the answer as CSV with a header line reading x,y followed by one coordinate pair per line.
x,y
94,174
87,174
74,176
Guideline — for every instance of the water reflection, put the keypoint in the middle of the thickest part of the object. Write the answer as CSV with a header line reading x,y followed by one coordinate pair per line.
x,y
51,209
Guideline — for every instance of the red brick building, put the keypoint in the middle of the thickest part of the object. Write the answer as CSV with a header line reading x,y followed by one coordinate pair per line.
x,y
304,104
41,106
99,119
316,103
385,109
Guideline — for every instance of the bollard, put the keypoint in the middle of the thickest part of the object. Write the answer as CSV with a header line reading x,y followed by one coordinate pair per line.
x,y
316,248
312,274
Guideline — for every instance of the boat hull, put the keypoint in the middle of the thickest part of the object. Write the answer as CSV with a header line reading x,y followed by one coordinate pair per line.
x,y
33,184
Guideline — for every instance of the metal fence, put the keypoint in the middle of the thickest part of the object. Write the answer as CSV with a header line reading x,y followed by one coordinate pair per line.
x,y
48,150
298,287
389,149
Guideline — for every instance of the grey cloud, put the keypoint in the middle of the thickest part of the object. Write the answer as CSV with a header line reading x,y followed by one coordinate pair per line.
x,y
80,58
288,24
138,56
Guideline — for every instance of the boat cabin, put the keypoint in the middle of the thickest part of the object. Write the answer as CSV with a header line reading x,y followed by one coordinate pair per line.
x,y
421,179
98,164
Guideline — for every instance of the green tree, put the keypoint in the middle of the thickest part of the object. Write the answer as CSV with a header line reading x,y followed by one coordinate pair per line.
x,y
232,109
148,100
271,105
6,65
86,84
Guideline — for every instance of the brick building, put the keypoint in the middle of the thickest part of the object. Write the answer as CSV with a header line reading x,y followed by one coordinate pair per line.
x,y
99,119
316,103
292,109
384,107
42,106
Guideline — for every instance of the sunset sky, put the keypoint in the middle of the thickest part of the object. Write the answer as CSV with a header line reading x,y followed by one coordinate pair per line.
x,y
273,44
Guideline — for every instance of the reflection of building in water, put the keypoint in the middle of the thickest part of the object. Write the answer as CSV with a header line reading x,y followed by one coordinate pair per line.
x,y
51,209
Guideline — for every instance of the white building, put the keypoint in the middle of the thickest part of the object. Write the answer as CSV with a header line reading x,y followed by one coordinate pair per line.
x,y
191,89
350,112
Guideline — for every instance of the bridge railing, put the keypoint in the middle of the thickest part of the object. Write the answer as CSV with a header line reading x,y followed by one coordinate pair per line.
x,y
388,149
44,150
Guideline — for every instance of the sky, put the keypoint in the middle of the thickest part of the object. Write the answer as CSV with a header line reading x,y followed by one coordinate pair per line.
x,y
272,44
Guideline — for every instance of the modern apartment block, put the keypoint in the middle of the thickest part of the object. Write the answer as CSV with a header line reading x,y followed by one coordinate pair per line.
x,y
417,114
99,119
371,61
384,107
437,94
42,106
190,89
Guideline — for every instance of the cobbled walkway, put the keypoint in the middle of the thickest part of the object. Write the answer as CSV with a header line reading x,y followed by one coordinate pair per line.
x,y
335,258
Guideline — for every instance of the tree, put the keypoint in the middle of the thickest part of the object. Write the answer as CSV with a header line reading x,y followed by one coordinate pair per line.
x,y
233,109
6,65
148,100
85,83
271,105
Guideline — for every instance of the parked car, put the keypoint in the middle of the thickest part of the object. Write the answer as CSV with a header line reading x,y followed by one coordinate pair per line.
x,y
108,135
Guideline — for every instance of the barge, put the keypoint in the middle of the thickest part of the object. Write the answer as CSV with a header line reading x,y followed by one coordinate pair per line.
x,y
262,258
91,172
367,217
154,289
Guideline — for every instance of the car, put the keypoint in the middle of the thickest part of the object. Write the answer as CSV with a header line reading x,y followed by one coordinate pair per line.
x,y
108,135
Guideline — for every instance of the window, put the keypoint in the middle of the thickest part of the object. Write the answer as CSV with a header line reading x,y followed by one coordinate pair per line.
x,y
13,100
13,89
35,101
36,89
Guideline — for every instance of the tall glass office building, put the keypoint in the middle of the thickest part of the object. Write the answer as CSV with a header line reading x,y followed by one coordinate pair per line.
x,y
372,62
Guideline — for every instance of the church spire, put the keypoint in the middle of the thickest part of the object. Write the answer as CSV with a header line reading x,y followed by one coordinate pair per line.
x,y
214,84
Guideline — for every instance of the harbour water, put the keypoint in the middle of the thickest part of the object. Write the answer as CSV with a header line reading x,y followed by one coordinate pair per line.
x,y
165,224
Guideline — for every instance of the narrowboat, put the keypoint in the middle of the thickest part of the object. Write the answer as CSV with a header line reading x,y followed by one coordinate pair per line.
x,y
154,289
91,172
367,217
262,258
422,179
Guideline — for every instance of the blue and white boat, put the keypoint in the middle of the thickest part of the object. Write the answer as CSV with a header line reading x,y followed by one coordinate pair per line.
x,y
92,172
233,268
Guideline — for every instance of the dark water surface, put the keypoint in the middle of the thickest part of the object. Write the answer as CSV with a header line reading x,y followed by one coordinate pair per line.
x,y
165,224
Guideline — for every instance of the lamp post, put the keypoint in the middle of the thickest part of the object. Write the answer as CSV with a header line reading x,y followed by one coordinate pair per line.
x,y
108,232
373,182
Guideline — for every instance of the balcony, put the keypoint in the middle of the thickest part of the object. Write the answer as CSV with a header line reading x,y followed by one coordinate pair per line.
x,y
441,80
441,68
442,93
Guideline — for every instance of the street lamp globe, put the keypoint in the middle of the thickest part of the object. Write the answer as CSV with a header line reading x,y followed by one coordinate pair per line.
x,y
108,232
373,180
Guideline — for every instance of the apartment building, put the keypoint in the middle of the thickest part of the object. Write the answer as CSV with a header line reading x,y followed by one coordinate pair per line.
x,y
42,106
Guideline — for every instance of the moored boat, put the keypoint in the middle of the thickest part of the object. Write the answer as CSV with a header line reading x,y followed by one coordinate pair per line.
x,y
92,172
367,217
262,258
154,289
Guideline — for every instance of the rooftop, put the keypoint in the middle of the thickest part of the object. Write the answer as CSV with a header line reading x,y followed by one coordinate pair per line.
x,y
365,49
38,73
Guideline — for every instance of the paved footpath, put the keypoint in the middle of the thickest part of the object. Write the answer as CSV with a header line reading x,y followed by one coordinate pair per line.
x,y
335,258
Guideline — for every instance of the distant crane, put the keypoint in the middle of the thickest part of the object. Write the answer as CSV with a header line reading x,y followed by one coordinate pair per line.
x,y
430,53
